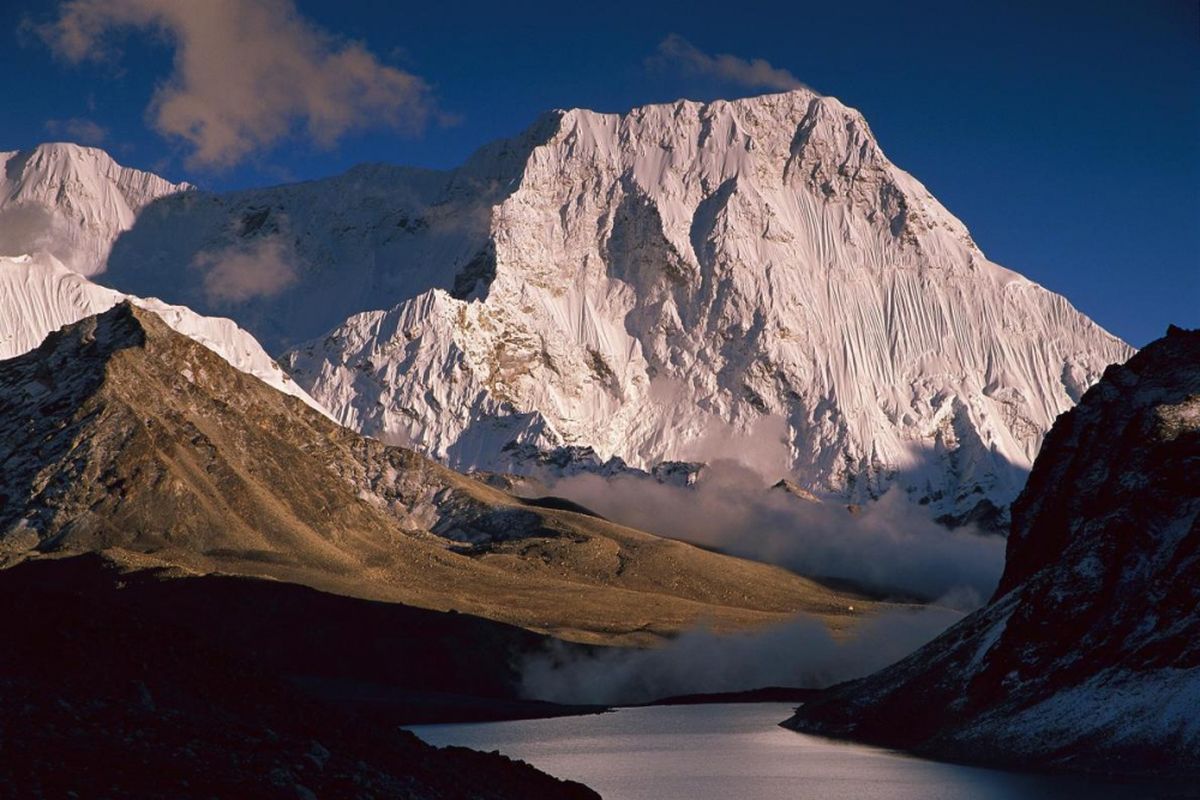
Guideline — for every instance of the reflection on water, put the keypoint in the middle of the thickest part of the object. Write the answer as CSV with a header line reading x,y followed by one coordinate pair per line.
x,y
738,751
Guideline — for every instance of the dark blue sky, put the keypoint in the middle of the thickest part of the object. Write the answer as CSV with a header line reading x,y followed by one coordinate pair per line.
x,y
1066,135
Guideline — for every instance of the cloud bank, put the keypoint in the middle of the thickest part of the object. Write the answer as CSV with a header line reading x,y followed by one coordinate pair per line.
x,y
29,228
800,653
241,272
678,53
891,546
247,73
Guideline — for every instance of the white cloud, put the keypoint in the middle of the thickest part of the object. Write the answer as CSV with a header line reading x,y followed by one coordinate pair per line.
x,y
241,272
247,73
891,545
78,130
799,653
679,53
30,228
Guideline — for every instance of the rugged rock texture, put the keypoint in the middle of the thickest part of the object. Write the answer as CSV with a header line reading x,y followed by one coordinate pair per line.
x,y
120,435
71,202
1088,656
653,286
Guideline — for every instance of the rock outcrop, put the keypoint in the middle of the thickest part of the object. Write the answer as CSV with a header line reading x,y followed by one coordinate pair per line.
x,y
1088,655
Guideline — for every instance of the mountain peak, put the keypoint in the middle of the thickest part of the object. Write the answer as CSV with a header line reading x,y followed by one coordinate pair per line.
x,y
85,345
38,295
72,202
122,326
799,97
645,284
1155,396
119,434
59,159
65,151
53,156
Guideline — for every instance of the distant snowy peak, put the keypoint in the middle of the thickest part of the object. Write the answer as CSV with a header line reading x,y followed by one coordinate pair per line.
x,y
72,202
694,281
311,254
39,295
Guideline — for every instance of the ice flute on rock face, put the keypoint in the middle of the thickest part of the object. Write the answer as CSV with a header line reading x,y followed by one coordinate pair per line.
x,y
688,274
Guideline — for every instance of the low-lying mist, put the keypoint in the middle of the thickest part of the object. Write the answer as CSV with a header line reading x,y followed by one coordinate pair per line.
x,y
891,547
800,653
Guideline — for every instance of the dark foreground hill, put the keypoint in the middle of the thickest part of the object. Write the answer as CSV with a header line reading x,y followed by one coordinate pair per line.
x,y
1088,655
124,685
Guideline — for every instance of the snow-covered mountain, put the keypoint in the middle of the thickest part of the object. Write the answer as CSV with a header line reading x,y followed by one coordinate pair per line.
x,y
750,279
291,262
39,295
1088,655
72,202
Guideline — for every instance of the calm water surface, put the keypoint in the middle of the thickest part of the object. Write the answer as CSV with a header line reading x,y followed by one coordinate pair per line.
x,y
738,751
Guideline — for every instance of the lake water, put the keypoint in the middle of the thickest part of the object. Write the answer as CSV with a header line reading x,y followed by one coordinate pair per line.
x,y
707,752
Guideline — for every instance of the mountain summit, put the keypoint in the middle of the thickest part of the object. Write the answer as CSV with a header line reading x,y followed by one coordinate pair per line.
x,y
651,286
72,202
39,295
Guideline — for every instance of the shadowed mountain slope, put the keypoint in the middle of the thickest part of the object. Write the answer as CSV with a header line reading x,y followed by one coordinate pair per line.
x,y
1088,655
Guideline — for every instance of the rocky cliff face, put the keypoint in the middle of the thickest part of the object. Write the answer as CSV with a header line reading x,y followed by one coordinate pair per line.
x,y
1088,656
653,286
72,202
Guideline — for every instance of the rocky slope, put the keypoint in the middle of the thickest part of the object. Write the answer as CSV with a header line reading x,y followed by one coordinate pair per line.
x,y
1088,656
653,286
120,435
39,295
72,202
